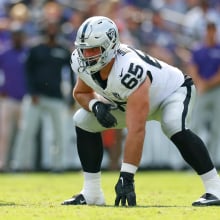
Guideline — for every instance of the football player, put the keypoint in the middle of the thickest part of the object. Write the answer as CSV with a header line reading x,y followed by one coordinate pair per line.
x,y
119,86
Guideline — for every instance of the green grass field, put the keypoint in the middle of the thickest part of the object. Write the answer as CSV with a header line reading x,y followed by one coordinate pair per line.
x,y
165,195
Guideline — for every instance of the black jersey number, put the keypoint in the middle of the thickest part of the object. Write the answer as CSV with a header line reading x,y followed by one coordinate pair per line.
x,y
130,79
148,59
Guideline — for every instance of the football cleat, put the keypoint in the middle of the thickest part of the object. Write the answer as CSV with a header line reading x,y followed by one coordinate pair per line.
x,y
207,199
75,200
80,200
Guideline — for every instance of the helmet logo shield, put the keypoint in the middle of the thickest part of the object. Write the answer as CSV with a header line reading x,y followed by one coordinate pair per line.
x,y
111,34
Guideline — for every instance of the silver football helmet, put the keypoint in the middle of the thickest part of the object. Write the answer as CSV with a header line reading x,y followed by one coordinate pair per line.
x,y
97,32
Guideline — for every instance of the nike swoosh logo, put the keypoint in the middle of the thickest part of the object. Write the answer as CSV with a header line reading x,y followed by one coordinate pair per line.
x,y
122,181
204,201
121,74
82,201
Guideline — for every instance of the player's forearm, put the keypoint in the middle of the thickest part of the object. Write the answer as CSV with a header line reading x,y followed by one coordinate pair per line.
x,y
84,98
133,147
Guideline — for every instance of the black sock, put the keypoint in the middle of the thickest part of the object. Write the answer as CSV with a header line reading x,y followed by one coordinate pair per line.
x,y
90,150
193,150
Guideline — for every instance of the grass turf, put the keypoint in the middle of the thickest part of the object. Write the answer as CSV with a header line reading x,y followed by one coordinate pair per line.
x,y
162,195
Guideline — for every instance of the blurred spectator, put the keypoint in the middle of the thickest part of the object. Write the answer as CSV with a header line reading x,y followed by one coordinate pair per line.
x,y
12,90
20,13
52,11
205,71
196,19
172,5
71,25
132,32
47,64
158,38
139,3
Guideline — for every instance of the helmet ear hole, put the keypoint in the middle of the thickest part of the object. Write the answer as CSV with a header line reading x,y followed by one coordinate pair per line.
x,y
102,49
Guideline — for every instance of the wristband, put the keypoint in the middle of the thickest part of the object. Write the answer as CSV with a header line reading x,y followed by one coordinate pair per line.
x,y
91,103
127,167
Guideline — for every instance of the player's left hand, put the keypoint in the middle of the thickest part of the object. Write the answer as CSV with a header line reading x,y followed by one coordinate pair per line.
x,y
125,190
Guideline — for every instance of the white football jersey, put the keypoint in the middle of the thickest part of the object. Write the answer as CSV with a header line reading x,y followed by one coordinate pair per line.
x,y
130,69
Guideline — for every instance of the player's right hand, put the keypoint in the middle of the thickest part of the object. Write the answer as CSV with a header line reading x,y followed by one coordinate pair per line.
x,y
103,115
